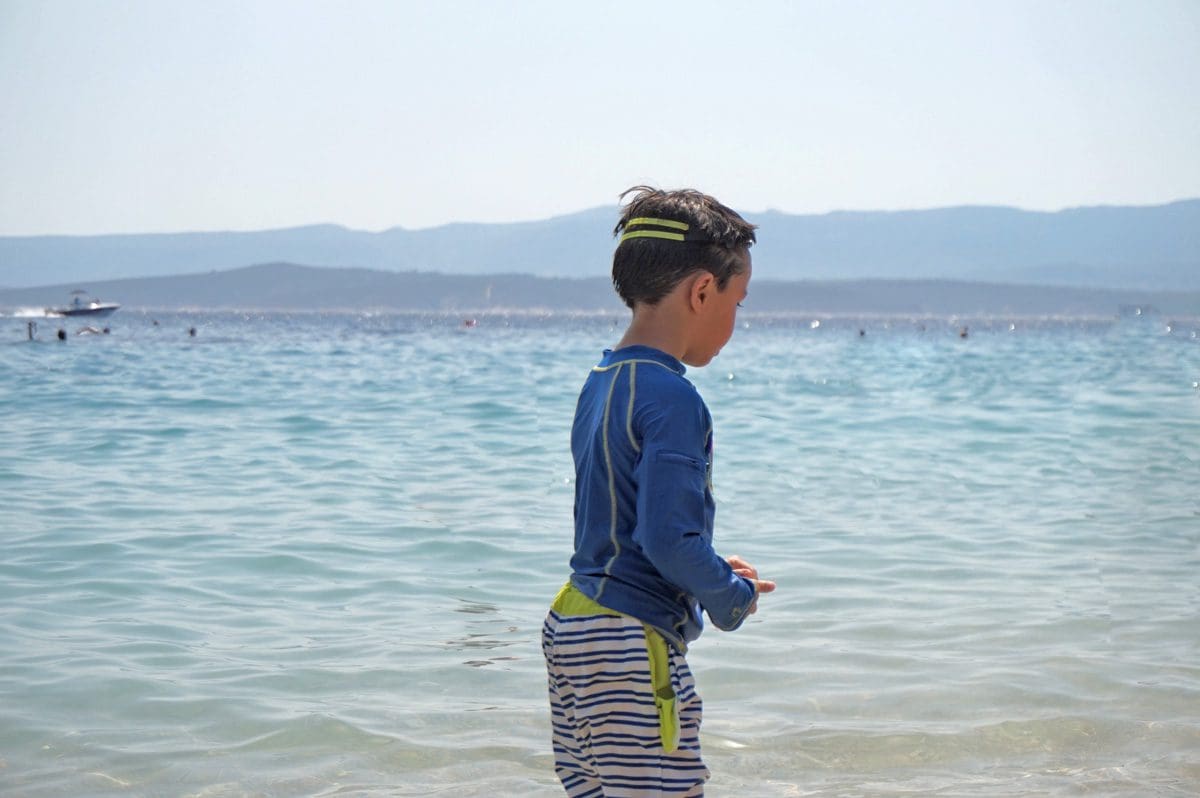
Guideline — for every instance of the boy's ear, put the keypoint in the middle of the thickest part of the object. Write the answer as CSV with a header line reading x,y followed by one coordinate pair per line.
x,y
703,286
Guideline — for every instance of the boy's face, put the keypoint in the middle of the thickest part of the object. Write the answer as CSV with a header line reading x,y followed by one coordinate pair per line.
x,y
720,314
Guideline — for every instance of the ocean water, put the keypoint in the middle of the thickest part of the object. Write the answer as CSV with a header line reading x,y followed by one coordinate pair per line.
x,y
309,555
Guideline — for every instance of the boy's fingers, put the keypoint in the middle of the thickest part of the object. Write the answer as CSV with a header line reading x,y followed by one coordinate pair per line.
x,y
764,586
741,567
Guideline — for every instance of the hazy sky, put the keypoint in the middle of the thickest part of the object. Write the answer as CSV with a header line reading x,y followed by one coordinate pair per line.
x,y
149,115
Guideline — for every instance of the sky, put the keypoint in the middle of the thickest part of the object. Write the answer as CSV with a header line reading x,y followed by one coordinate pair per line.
x,y
130,116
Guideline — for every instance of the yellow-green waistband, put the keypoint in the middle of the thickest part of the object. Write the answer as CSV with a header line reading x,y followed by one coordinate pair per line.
x,y
573,601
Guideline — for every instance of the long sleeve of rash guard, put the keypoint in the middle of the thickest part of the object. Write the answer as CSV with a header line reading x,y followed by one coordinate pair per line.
x,y
675,512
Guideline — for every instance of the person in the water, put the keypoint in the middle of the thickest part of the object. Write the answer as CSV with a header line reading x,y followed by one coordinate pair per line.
x,y
625,712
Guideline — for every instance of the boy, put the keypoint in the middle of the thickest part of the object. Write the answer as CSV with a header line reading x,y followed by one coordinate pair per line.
x,y
625,713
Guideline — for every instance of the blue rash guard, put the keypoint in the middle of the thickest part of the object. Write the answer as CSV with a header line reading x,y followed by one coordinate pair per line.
x,y
642,443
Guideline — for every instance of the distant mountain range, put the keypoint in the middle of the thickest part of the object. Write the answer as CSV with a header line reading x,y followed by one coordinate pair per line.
x,y
1151,248
284,286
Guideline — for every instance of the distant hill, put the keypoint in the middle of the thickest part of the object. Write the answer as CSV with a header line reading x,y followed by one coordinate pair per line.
x,y
575,245
283,286
1145,248
1115,247
286,286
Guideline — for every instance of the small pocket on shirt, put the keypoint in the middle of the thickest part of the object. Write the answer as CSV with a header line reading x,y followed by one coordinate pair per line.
x,y
679,458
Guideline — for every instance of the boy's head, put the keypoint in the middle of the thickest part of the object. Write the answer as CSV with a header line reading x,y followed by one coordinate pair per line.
x,y
665,236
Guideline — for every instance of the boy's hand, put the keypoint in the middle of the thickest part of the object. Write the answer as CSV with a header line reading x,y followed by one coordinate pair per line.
x,y
743,568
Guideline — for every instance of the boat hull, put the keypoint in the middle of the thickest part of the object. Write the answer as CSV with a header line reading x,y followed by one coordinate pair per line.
x,y
98,311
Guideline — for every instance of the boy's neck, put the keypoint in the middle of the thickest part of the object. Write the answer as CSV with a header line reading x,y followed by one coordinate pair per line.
x,y
658,327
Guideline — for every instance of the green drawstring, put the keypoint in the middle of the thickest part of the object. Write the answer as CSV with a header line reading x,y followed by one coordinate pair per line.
x,y
664,694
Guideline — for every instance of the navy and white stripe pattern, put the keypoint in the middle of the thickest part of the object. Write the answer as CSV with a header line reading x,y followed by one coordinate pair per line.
x,y
605,722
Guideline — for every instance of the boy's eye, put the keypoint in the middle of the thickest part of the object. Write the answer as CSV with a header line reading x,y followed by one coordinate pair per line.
x,y
740,305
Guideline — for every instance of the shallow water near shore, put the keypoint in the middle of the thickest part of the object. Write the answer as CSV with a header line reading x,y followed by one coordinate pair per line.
x,y
310,555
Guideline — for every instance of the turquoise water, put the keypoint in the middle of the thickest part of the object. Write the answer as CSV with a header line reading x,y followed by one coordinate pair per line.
x,y
310,555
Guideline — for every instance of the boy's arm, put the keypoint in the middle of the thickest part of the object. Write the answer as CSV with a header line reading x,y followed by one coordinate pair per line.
x,y
672,477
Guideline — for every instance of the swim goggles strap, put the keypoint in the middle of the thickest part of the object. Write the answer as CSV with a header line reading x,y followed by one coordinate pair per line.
x,y
665,229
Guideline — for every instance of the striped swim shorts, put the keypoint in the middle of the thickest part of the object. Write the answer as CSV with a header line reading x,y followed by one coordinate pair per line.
x,y
620,730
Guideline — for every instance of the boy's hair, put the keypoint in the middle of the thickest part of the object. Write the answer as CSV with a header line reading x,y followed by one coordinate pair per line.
x,y
668,235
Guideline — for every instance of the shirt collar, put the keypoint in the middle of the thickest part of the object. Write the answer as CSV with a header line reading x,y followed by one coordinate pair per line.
x,y
639,352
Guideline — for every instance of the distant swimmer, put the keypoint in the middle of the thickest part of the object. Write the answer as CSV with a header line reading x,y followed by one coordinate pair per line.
x,y
192,331
31,328
963,333
62,334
